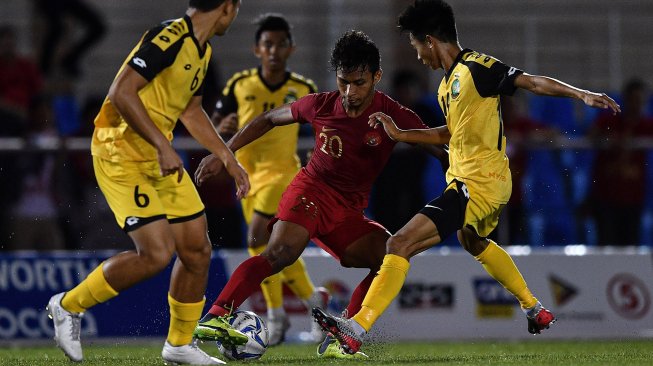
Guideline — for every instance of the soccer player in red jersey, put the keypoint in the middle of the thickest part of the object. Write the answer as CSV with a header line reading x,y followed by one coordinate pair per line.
x,y
326,199
479,182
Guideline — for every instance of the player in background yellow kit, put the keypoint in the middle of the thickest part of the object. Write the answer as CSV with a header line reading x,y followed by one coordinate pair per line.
x,y
144,181
479,181
270,161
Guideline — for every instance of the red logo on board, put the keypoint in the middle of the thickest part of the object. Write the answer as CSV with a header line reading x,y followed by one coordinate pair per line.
x,y
628,296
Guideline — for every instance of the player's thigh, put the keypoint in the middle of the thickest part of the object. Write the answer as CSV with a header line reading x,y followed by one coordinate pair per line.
x,y
192,241
154,242
482,214
447,212
419,234
185,213
257,231
132,197
367,251
356,241
287,242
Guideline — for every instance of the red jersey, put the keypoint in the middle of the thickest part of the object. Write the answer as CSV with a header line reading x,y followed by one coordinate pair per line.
x,y
349,154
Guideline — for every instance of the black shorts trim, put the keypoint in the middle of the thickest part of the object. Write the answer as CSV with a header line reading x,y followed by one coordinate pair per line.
x,y
448,211
186,218
133,222
267,215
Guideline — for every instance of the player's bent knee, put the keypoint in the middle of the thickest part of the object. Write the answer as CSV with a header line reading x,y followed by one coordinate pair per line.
x,y
156,260
280,257
471,242
196,256
400,245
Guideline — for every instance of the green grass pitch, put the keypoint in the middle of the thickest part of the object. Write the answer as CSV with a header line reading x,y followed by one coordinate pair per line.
x,y
533,352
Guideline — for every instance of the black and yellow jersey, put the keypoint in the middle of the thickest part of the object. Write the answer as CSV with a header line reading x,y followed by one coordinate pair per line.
x,y
469,96
171,59
274,153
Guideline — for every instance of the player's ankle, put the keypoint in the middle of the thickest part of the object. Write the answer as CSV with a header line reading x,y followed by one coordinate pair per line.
x,y
532,311
274,313
216,311
207,317
360,331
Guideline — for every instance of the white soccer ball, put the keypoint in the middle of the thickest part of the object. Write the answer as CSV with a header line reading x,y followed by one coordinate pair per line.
x,y
254,327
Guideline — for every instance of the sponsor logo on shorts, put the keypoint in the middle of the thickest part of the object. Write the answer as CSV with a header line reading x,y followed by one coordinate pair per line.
x,y
139,62
131,221
307,206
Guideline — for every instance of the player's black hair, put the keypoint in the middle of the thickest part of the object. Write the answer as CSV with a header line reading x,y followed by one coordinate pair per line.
x,y
272,22
354,51
207,5
429,17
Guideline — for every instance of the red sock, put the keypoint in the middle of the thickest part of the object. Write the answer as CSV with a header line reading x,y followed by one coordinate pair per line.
x,y
358,295
245,280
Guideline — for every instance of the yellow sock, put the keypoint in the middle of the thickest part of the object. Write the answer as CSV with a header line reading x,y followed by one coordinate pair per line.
x,y
183,319
271,286
93,290
383,290
296,277
499,265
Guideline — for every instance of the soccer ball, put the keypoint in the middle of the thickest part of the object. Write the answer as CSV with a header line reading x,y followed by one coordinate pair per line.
x,y
254,327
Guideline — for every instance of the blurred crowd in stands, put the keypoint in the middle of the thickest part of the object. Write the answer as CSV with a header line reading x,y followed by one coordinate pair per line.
x,y
577,195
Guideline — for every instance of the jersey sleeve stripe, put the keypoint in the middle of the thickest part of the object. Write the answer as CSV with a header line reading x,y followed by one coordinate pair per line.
x,y
302,80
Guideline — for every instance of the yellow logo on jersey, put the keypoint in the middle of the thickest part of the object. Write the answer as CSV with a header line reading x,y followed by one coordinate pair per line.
x,y
291,96
455,88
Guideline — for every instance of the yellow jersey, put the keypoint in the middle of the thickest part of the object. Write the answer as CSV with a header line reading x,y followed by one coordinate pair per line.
x,y
170,58
273,156
469,96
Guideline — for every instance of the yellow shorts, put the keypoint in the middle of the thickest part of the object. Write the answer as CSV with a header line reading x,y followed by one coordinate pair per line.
x,y
264,201
482,214
138,194
462,206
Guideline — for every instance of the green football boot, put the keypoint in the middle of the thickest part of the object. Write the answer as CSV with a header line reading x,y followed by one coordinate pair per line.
x,y
330,348
219,329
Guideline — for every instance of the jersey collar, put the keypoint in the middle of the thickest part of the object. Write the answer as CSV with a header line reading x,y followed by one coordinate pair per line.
x,y
459,57
191,34
272,88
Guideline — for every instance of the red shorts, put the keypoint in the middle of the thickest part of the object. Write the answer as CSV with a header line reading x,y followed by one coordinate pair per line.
x,y
332,222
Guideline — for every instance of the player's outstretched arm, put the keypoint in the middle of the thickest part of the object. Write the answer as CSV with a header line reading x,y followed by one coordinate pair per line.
x,y
123,94
544,85
199,125
210,165
433,136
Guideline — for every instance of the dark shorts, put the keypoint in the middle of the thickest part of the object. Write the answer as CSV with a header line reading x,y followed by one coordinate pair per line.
x,y
332,223
448,211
